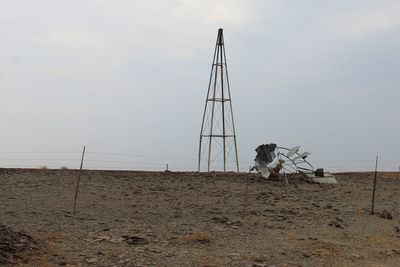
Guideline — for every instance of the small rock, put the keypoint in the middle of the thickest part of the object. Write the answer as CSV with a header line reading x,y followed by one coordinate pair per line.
x,y
338,219
259,262
134,240
236,222
91,260
259,259
395,251
234,256
220,219
386,215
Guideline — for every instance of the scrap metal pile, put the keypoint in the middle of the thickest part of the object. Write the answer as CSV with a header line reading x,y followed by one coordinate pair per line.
x,y
280,162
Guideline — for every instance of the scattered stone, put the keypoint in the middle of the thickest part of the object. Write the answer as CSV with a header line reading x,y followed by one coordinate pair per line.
x,y
339,220
386,215
220,219
235,223
395,251
13,244
338,223
91,260
397,228
259,262
356,255
306,255
234,256
134,240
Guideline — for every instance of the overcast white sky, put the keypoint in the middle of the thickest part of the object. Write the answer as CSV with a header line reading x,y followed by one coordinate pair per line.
x,y
128,76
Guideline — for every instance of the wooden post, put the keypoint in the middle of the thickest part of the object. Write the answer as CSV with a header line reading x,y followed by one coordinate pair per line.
x,y
373,190
79,178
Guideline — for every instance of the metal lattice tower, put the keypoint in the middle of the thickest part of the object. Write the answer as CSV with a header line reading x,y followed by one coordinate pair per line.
x,y
217,135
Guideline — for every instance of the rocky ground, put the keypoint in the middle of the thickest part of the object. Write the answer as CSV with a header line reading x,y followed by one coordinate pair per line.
x,y
15,246
186,219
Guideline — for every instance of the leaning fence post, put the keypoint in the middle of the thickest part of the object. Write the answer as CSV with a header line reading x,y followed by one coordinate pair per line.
x,y
373,190
79,179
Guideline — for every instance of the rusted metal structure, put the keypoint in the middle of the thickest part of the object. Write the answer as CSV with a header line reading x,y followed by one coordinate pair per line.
x,y
274,161
218,125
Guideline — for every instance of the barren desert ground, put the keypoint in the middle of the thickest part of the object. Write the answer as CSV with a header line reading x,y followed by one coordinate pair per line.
x,y
132,218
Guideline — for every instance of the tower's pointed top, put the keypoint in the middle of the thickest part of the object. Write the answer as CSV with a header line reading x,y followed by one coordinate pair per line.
x,y
220,38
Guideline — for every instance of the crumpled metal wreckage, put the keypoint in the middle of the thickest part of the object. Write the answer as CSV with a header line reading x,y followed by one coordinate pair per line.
x,y
275,162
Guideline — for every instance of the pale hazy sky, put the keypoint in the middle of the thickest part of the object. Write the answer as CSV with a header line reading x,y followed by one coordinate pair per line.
x,y
126,76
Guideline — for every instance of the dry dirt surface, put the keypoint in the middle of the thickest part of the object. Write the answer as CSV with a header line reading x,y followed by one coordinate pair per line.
x,y
212,219
15,246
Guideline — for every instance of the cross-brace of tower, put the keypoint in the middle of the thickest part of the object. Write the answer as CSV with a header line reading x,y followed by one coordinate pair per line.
x,y
217,135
